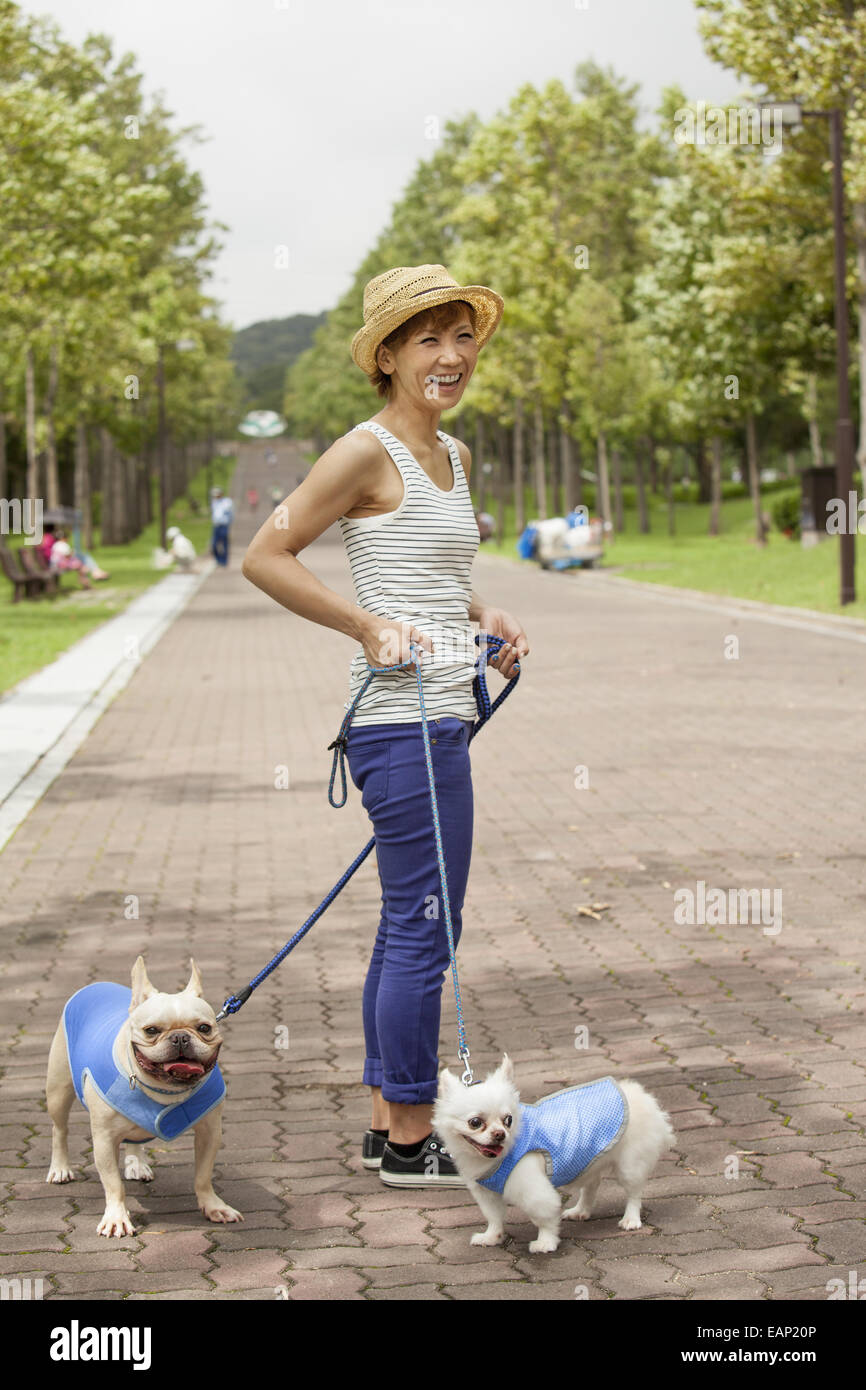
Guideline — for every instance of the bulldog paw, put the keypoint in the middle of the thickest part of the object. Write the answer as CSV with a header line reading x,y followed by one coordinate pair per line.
x,y
217,1210
59,1173
116,1222
136,1170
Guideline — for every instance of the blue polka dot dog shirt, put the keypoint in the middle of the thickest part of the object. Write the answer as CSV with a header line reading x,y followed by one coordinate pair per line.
x,y
570,1127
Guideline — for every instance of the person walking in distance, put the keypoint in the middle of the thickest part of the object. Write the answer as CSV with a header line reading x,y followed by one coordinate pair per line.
x,y
221,514
399,488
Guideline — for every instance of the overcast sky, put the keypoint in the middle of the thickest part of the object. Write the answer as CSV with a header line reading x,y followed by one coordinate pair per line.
x,y
318,110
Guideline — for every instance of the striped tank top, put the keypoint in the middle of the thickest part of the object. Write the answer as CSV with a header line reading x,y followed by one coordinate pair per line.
x,y
414,565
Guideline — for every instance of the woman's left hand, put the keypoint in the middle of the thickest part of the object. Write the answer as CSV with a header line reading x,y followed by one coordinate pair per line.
x,y
501,624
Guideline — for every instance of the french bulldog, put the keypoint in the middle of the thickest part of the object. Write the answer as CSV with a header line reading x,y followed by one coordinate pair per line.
x,y
144,1064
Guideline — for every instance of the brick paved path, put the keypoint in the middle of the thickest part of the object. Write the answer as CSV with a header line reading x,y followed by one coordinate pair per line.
x,y
741,773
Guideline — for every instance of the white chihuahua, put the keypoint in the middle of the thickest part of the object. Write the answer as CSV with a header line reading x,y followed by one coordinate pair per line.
x,y
520,1154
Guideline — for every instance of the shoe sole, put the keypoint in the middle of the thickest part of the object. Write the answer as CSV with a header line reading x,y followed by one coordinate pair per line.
x,y
372,1162
418,1180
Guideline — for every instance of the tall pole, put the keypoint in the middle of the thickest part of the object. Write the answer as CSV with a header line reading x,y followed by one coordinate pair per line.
x,y
844,426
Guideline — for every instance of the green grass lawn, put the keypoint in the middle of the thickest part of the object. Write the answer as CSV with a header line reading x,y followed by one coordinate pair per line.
x,y
782,572
34,632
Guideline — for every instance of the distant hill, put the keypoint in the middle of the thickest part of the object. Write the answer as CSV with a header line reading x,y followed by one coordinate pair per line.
x,y
264,352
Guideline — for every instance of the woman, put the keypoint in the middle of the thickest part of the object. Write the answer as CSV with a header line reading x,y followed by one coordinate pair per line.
x,y
399,488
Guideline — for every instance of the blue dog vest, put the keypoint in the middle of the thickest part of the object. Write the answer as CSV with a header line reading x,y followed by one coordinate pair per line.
x,y
570,1127
92,1020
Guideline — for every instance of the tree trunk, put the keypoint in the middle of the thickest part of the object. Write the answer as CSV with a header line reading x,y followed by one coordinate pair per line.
x,y
860,246
619,512
538,453
716,486
4,466
52,481
503,475
812,413
754,478
566,465
30,417
131,522
81,484
106,494
577,470
653,467
602,491
704,472
669,492
478,470
519,499
162,447
642,512
556,475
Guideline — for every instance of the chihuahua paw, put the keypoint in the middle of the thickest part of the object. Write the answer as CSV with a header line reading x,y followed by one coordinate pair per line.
x,y
576,1213
136,1170
487,1238
58,1173
216,1210
116,1222
630,1223
544,1244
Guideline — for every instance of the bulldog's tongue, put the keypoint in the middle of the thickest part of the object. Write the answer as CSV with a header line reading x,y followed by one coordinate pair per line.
x,y
184,1069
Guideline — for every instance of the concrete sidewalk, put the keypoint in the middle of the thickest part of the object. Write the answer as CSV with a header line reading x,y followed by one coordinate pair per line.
x,y
735,773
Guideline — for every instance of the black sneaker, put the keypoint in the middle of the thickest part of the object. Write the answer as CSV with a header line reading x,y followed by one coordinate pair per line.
x,y
372,1149
432,1167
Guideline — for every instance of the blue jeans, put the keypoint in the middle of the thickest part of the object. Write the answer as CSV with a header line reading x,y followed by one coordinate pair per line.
x,y
220,544
403,989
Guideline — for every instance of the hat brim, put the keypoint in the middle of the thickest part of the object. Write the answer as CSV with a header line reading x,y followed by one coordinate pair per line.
x,y
488,306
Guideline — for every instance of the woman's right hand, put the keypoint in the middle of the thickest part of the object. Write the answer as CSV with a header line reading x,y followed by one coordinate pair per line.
x,y
387,643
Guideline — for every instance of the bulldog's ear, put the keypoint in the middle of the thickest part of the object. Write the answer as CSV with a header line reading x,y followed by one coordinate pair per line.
x,y
195,985
141,987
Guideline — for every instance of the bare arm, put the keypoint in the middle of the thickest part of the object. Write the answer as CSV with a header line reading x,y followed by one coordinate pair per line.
x,y
337,482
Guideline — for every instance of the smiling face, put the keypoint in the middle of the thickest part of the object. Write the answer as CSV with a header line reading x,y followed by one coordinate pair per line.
x,y
174,1038
431,358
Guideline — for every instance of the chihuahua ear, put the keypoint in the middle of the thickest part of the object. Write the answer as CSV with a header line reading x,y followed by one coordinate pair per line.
x,y
447,1082
505,1067
194,986
141,987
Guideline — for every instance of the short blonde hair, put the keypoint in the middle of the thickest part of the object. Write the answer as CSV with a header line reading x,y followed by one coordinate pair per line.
x,y
439,316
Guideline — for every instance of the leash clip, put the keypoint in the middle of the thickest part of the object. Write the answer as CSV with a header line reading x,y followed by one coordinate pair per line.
x,y
463,1054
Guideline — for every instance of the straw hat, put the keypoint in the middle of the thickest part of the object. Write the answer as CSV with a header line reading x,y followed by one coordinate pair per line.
x,y
392,298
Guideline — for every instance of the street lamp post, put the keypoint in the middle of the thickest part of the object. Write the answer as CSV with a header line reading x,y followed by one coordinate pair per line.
x,y
792,115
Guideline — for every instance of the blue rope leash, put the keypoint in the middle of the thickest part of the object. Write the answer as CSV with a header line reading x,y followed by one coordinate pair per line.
x,y
487,643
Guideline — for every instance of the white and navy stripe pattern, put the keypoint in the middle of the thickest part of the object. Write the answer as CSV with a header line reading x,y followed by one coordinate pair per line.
x,y
414,565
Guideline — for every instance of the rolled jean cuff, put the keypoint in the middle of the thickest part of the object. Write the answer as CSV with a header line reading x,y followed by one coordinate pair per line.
x,y
411,1093
372,1071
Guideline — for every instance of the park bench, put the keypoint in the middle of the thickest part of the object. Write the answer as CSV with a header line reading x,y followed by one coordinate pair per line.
x,y
30,585
35,566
